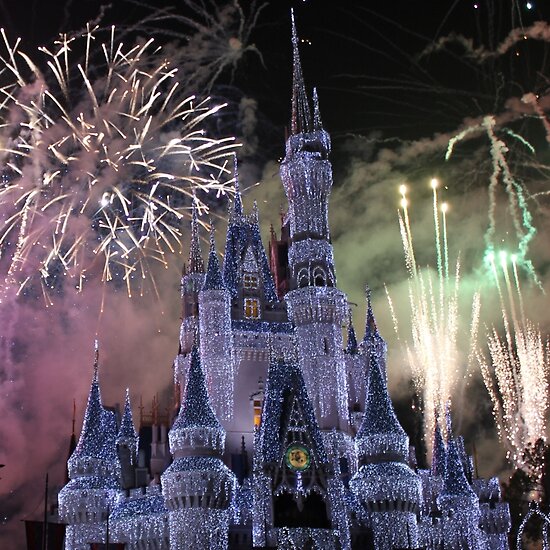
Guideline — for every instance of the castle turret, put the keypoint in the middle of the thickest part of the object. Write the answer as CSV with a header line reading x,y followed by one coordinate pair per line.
x,y
127,445
192,281
216,340
93,489
385,484
373,345
197,486
316,307
459,505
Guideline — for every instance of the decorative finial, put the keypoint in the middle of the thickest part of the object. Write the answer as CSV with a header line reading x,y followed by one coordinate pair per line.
x,y
238,205
196,263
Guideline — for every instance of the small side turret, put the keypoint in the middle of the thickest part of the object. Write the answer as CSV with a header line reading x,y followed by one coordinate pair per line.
x,y
192,281
94,468
459,505
197,486
385,484
216,340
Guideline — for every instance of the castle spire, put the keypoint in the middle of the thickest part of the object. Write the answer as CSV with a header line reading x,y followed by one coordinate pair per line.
x,y
214,279
238,202
380,435
196,263
456,484
97,438
196,424
127,434
301,115
439,453
373,345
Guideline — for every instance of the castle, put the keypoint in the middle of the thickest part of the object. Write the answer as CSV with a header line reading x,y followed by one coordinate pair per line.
x,y
285,438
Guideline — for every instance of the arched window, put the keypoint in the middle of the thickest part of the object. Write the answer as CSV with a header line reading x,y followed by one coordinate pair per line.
x,y
303,277
319,276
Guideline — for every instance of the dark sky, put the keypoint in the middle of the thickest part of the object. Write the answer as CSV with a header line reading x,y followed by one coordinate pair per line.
x,y
363,56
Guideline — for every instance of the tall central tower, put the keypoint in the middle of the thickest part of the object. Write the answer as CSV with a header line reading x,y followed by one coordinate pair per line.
x,y
316,307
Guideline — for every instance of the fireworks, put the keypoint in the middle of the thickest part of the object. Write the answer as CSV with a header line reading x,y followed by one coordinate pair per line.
x,y
216,34
434,353
521,216
103,151
516,373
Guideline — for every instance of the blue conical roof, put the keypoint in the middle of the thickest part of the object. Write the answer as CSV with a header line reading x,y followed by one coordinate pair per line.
x,y
196,411
99,430
456,483
301,114
214,279
379,417
127,433
373,343
439,453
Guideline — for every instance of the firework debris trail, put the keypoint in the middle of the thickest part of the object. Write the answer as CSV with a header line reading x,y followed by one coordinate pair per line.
x,y
521,216
216,36
516,372
102,160
433,354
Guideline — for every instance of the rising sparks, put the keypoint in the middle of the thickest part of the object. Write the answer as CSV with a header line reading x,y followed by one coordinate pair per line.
x,y
103,151
516,371
434,354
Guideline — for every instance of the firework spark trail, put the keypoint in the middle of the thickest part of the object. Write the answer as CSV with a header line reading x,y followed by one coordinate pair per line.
x,y
102,158
516,372
217,36
521,216
433,353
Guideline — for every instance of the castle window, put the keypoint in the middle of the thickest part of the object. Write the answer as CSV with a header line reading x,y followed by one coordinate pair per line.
x,y
257,407
303,279
319,276
251,281
252,308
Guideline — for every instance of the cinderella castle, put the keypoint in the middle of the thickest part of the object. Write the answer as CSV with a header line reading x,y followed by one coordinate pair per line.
x,y
284,437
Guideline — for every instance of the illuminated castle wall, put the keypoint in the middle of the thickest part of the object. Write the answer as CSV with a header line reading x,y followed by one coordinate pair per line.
x,y
270,447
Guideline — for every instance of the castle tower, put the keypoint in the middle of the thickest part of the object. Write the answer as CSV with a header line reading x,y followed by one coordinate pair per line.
x,y
459,505
316,307
216,342
127,445
385,484
298,495
93,489
192,281
197,486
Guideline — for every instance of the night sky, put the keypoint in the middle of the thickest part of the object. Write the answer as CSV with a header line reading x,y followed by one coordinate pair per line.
x,y
396,81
